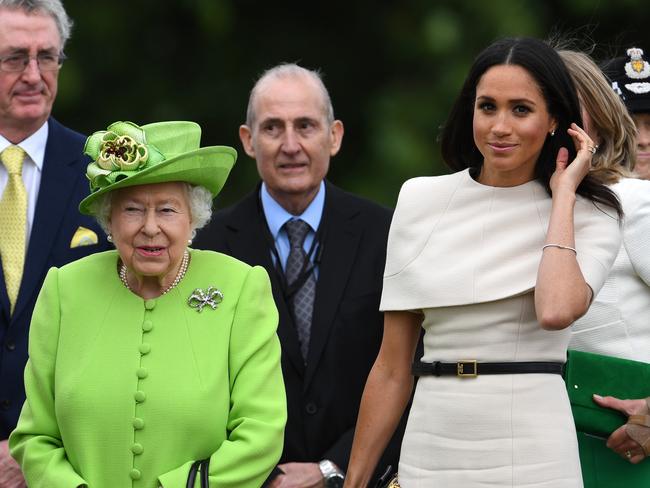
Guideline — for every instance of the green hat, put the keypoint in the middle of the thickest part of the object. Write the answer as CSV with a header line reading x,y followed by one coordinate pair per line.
x,y
128,155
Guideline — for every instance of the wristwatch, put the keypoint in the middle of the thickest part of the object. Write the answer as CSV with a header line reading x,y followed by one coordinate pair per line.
x,y
331,474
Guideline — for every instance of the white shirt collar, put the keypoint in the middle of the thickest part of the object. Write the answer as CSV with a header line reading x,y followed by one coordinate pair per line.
x,y
34,145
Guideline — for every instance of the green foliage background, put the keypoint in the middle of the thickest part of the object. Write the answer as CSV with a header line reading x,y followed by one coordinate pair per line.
x,y
393,68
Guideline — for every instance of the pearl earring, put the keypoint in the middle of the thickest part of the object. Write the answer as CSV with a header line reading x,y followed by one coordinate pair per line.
x,y
552,132
109,238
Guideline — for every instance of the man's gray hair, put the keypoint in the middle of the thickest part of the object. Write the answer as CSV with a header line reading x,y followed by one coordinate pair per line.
x,y
53,8
289,70
199,199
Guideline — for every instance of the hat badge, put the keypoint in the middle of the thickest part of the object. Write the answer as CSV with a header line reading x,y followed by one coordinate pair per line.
x,y
637,68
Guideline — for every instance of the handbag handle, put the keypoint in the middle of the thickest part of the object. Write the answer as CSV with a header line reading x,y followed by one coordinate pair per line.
x,y
385,478
205,473
191,476
203,467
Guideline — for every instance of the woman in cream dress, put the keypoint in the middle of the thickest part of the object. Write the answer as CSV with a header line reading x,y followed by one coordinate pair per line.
x,y
494,262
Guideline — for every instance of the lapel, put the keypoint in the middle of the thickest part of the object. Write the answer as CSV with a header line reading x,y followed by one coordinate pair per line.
x,y
58,180
4,298
245,231
340,245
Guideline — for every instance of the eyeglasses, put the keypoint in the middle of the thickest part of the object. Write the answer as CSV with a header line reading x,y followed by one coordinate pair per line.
x,y
15,63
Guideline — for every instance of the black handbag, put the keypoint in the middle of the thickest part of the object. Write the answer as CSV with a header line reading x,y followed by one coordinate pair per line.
x,y
201,467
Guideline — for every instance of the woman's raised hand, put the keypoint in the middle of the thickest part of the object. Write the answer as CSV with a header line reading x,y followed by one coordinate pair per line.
x,y
568,176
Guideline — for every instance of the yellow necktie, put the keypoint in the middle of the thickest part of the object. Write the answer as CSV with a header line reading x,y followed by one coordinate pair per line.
x,y
13,222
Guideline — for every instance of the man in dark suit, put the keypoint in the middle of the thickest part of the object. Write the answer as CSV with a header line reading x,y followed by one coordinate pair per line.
x,y
325,251
41,183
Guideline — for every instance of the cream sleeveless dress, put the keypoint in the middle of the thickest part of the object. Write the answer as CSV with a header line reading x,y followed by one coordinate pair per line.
x,y
466,256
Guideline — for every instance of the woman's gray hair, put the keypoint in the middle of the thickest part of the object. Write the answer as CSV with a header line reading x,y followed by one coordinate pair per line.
x,y
199,199
53,8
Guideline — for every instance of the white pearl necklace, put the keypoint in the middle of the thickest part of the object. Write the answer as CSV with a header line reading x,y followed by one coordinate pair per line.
x,y
179,276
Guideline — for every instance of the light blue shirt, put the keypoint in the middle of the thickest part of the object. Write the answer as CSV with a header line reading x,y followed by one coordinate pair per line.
x,y
276,216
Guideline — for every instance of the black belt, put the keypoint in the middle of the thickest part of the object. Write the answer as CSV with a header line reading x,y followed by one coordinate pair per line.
x,y
471,368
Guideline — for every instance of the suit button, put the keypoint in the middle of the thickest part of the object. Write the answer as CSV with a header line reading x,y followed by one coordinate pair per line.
x,y
147,325
150,304
145,348
311,408
139,396
10,345
137,448
4,404
138,423
135,474
141,373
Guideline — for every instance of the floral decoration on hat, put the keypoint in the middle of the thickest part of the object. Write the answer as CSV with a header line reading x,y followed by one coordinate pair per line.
x,y
128,155
117,153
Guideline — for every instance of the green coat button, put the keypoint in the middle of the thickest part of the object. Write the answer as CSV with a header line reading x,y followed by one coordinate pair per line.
x,y
145,348
150,304
138,423
139,396
135,474
142,373
147,325
137,448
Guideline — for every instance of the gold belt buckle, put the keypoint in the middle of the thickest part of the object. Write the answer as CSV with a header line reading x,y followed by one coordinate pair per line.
x,y
463,366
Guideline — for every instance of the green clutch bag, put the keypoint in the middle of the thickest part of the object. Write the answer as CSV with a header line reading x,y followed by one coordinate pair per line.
x,y
587,373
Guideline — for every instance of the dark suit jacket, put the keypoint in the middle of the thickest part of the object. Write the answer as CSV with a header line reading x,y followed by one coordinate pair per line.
x,y
56,218
323,397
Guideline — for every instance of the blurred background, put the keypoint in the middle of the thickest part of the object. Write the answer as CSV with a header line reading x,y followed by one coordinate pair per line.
x,y
393,68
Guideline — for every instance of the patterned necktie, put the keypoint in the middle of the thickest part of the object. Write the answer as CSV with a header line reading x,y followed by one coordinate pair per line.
x,y
13,222
303,299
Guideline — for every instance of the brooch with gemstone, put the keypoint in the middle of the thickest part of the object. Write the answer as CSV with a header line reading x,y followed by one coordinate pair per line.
x,y
211,297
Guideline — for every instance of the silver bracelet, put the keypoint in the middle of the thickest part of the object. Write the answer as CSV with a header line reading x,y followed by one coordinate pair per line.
x,y
560,246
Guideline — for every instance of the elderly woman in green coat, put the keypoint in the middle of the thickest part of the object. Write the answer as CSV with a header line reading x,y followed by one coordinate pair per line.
x,y
148,358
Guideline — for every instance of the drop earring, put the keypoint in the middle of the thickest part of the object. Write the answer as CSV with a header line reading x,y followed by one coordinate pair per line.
x,y
552,132
191,239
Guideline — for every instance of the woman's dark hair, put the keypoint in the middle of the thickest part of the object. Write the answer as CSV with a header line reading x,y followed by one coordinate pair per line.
x,y
546,67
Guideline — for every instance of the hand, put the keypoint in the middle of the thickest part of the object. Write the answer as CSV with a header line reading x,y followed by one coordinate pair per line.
x,y
10,474
568,176
299,475
619,441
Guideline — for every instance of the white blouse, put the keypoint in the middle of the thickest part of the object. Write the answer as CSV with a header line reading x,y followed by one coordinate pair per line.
x,y
618,322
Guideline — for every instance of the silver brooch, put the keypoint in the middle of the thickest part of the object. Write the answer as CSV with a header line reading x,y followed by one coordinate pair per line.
x,y
199,298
